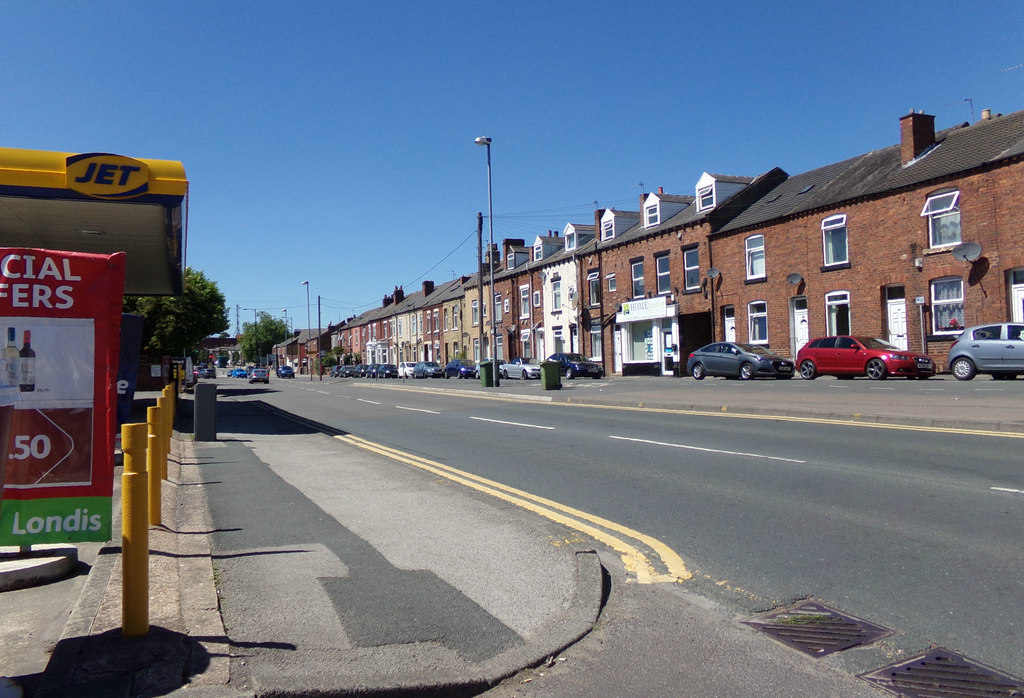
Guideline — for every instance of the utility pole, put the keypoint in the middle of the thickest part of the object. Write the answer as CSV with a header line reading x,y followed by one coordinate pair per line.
x,y
480,279
319,337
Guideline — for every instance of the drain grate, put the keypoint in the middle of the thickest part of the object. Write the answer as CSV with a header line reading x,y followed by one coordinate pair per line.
x,y
818,630
944,674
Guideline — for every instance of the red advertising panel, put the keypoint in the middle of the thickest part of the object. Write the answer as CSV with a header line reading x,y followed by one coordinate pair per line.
x,y
60,316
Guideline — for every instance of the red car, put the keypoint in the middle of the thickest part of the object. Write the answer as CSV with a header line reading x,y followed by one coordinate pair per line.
x,y
848,356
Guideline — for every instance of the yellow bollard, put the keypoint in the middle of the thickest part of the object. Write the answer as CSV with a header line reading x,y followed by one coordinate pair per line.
x,y
134,533
163,405
154,453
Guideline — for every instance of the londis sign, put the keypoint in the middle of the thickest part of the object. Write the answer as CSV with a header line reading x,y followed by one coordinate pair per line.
x,y
107,176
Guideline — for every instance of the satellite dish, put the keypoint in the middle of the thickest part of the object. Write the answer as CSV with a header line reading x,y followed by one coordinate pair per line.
x,y
967,251
713,273
794,278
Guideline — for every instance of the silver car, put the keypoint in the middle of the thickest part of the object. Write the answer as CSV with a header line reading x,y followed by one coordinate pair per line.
x,y
520,368
997,349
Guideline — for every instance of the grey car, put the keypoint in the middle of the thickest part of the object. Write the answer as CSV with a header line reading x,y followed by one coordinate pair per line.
x,y
520,368
997,348
736,360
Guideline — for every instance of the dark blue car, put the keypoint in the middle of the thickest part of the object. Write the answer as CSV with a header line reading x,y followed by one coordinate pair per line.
x,y
460,368
573,365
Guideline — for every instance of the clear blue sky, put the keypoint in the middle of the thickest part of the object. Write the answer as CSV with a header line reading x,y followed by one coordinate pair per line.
x,y
333,141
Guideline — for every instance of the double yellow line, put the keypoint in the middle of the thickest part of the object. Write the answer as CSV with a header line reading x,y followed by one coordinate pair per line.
x,y
627,543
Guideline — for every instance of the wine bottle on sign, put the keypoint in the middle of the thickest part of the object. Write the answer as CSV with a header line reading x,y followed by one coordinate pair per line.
x,y
27,365
10,360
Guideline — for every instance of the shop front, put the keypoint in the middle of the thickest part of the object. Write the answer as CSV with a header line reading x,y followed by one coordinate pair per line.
x,y
647,340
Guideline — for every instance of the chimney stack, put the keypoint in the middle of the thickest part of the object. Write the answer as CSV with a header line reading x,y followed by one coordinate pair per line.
x,y
428,288
399,294
917,133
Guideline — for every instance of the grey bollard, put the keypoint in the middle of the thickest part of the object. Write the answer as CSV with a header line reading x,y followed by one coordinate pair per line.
x,y
205,413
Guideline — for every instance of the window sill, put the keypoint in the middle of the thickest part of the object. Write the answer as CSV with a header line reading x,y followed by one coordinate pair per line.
x,y
689,291
942,249
758,280
943,337
834,267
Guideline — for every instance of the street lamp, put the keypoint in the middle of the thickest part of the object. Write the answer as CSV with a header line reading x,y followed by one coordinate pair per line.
x,y
485,141
308,369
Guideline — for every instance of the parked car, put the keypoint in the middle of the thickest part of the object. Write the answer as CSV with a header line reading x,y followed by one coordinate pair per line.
x,y
520,368
285,372
349,371
848,356
997,349
428,369
237,373
208,372
460,368
572,365
259,375
405,369
387,371
736,360
370,370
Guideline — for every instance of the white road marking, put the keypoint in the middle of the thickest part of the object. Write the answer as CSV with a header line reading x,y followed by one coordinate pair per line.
x,y
1007,489
706,450
513,424
369,401
415,409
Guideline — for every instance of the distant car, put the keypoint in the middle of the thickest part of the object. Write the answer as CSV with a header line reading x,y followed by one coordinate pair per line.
x,y
428,369
736,360
405,369
285,372
369,370
237,373
387,371
520,368
572,365
259,375
847,356
208,372
349,371
997,349
460,368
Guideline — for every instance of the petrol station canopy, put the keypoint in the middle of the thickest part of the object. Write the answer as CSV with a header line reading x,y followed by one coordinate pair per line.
x,y
100,203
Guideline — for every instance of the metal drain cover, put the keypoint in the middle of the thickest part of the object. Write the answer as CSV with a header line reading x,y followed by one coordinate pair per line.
x,y
818,630
944,674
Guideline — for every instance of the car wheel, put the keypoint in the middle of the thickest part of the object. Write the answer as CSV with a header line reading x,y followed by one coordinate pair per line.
x,y
963,369
569,374
808,371
697,371
876,370
504,374
747,371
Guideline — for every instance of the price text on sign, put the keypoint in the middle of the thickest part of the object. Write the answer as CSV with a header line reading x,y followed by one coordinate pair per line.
x,y
30,447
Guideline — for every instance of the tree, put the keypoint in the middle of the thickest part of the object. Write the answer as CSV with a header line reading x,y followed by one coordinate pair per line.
x,y
174,325
259,337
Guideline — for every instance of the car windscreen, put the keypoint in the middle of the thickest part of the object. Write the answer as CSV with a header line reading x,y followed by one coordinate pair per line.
x,y
755,349
873,343
576,357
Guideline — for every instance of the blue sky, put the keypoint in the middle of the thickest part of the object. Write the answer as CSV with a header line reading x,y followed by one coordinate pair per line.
x,y
333,141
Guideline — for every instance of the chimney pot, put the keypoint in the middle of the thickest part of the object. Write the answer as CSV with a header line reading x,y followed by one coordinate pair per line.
x,y
660,190
986,114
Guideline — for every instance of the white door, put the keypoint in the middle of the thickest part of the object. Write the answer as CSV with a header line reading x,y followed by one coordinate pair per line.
x,y
897,310
729,322
617,349
1017,297
798,320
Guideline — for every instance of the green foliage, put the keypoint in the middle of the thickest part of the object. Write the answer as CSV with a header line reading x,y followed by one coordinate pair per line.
x,y
258,338
174,325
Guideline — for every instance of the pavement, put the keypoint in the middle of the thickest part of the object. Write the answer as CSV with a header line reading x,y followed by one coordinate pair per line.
x,y
481,598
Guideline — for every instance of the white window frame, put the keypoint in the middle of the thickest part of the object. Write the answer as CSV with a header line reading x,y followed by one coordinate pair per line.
x,y
510,261
829,229
939,207
556,295
610,278
638,281
691,268
753,255
596,347
524,301
538,252
476,313
949,310
652,215
608,229
508,305
570,240
663,274
497,307
757,310
536,299
706,198
833,301
455,317
594,287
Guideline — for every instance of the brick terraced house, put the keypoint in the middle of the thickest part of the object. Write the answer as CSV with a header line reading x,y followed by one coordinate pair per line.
x,y
909,243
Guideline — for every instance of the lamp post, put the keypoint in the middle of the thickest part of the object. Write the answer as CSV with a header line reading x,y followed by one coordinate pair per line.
x,y
485,141
308,369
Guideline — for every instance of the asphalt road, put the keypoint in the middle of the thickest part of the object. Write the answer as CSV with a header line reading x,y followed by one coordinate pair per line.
x,y
916,531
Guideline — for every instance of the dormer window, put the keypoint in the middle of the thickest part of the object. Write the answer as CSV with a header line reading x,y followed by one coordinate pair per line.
x,y
538,252
652,215
608,229
706,198
570,240
511,261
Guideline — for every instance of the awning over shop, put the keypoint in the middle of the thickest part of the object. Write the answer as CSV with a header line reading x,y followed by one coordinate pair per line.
x,y
102,203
